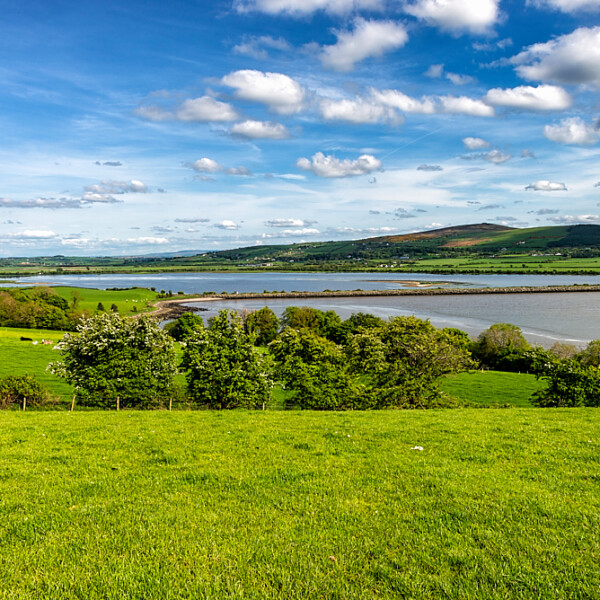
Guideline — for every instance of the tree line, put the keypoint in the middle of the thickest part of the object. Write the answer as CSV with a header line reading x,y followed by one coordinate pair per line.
x,y
313,358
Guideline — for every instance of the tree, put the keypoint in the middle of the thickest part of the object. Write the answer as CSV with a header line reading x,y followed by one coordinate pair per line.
x,y
100,307
185,326
590,355
501,346
112,357
569,383
15,389
402,361
315,370
224,369
263,324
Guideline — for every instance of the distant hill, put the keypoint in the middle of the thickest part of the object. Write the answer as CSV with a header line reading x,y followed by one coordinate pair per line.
x,y
476,238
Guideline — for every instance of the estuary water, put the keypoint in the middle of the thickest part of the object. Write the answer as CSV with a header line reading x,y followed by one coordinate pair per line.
x,y
544,318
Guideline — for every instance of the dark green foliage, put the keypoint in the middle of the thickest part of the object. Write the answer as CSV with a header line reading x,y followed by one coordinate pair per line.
x,y
502,347
39,308
263,324
114,308
16,388
185,326
100,307
569,383
324,323
402,361
112,357
224,369
315,370
590,355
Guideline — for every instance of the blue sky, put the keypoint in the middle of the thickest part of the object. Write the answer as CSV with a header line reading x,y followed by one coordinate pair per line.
x,y
132,127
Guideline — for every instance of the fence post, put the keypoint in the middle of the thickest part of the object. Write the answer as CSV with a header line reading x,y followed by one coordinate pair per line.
x,y
24,402
118,403
73,403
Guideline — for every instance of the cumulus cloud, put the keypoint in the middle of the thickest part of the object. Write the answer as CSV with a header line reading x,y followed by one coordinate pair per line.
x,y
569,6
543,185
134,186
368,39
456,16
597,184
278,91
330,166
475,143
288,223
404,103
358,111
205,165
573,131
525,97
430,168
572,58
205,110
298,8
258,46
464,105
260,130
227,224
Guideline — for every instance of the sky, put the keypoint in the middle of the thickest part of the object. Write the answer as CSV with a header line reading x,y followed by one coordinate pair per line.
x,y
141,127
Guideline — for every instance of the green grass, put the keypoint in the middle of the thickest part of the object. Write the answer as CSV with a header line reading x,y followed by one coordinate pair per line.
x,y
125,300
492,388
497,505
19,357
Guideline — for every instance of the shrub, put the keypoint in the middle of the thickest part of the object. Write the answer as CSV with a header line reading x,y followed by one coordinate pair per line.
x,y
16,388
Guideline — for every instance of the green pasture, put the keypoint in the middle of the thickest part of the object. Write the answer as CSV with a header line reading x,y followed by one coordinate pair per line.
x,y
301,505
128,301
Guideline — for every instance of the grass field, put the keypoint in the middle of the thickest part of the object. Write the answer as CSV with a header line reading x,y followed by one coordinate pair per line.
x,y
127,301
259,505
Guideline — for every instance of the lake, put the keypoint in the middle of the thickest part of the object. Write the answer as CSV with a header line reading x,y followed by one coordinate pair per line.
x,y
544,318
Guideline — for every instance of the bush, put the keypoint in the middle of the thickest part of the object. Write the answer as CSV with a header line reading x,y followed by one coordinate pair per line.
x,y
16,388
569,384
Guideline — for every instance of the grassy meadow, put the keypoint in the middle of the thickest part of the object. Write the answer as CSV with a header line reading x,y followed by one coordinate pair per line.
x,y
164,505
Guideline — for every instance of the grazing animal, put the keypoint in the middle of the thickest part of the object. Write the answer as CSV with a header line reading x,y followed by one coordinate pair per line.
x,y
26,339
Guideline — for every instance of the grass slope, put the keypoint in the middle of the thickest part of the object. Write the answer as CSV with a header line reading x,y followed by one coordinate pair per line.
x,y
498,504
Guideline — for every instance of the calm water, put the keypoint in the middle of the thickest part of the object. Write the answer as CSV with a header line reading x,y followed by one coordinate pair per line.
x,y
544,318
196,283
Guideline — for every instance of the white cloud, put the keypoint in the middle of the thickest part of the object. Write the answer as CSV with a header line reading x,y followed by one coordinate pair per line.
x,y
573,131
496,156
206,165
457,79
396,99
456,16
526,97
431,168
546,186
257,46
153,241
34,234
358,111
569,6
570,58
299,8
475,143
256,130
572,219
206,109
278,91
288,223
117,187
300,232
465,106
330,166
239,171
226,224
369,38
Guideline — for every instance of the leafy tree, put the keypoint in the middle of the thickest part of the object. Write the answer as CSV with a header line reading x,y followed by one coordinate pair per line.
x,y
402,361
112,357
315,370
360,320
15,388
324,323
569,383
224,369
114,308
590,355
185,326
562,350
263,324
502,346
100,307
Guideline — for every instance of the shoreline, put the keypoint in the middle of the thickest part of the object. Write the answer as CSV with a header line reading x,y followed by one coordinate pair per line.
x,y
172,309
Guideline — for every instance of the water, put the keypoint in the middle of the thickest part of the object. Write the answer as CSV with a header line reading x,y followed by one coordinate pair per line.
x,y
197,283
544,318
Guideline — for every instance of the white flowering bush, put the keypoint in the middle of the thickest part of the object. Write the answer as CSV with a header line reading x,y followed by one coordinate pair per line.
x,y
111,357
